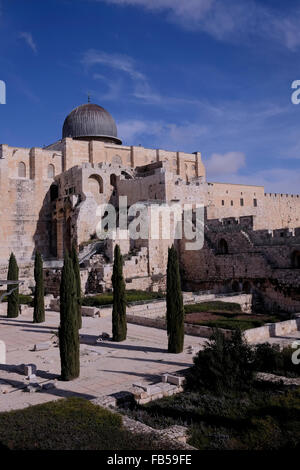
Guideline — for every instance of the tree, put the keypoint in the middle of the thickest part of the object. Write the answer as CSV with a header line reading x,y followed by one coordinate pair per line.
x,y
225,364
76,269
68,329
13,298
39,306
119,321
175,309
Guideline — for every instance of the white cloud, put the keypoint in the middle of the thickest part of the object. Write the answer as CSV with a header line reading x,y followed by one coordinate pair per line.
x,y
227,164
112,92
29,40
226,169
116,61
275,180
163,134
226,20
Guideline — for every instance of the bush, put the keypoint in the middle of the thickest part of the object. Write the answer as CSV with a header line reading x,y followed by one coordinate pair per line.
x,y
269,358
225,364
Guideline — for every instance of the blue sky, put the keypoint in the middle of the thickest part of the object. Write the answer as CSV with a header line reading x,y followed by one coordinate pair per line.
x,y
205,75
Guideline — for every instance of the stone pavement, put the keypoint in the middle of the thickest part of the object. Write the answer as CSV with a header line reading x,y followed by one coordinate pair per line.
x,y
106,367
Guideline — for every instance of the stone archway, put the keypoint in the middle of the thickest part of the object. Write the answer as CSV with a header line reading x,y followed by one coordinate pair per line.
x,y
295,258
235,286
223,247
247,287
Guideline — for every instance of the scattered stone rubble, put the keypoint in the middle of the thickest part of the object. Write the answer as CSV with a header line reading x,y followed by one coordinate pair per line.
x,y
174,437
266,377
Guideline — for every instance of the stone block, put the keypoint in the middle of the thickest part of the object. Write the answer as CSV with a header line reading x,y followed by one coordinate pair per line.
x,y
143,387
143,401
157,396
176,380
164,378
29,369
89,312
42,346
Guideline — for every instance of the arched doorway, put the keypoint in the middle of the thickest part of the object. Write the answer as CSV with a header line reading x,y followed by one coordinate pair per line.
x,y
223,247
235,286
247,288
295,258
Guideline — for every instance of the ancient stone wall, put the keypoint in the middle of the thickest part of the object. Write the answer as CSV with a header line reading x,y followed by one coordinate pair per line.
x,y
271,211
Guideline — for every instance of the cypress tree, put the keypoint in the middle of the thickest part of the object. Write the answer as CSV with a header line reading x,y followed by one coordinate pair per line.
x,y
175,309
76,269
119,321
39,306
68,329
13,298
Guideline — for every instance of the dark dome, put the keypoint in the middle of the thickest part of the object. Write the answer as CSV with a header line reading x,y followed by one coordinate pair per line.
x,y
90,121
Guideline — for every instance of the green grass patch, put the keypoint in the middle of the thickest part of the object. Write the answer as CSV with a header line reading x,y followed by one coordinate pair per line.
x,y
23,299
131,296
216,306
232,324
69,424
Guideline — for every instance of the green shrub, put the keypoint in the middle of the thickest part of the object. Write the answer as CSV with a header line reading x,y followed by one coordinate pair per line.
x,y
39,293
119,318
13,298
175,309
269,358
23,300
69,345
225,364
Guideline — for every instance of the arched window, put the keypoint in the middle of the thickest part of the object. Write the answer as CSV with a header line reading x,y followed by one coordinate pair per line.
x,y
53,192
113,180
296,259
223,247
51,171
96,184
22,170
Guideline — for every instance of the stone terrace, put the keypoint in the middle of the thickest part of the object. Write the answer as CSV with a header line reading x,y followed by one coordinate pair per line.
x,y
106,367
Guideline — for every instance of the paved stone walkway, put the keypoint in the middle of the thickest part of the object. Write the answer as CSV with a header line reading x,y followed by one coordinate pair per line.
x,y
106,367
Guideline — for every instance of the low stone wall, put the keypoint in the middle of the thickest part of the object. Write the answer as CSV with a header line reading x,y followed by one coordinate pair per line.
x,y
245,300
271,330
253,335
193,330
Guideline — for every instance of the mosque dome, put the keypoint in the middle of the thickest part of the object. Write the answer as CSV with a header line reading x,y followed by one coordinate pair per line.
x,y
91,122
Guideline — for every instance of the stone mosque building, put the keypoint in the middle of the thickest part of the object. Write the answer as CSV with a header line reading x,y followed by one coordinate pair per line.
x,y
49,200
